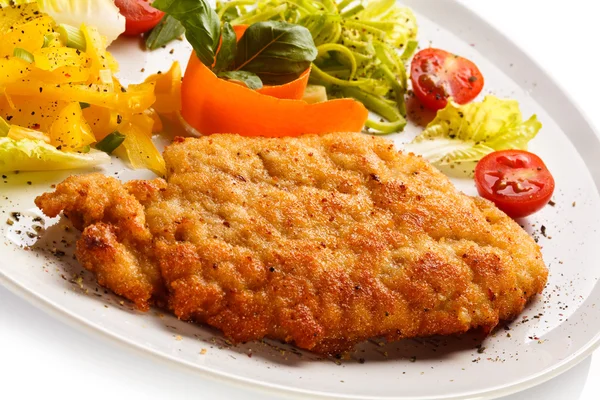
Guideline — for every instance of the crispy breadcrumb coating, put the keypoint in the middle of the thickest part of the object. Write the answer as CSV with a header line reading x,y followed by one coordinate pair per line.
x,y
323,241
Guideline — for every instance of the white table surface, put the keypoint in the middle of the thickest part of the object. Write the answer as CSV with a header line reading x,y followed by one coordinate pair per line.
x,y
41,357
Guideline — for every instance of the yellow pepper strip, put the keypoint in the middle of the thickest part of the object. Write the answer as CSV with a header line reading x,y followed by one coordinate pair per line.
x,y
30,112
70,131
167,90
102,120
138,145
136,99
11,17
13,69
158,125
96,50
28,36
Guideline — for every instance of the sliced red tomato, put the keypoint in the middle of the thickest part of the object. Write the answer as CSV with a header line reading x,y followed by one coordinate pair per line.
x,y
140,16
437,75
517,181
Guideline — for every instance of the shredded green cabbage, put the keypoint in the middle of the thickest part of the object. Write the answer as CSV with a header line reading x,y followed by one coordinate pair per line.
x,y
363,46
36,155
468,133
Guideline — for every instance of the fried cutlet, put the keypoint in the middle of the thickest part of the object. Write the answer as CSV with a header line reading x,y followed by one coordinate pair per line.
x,y
323,241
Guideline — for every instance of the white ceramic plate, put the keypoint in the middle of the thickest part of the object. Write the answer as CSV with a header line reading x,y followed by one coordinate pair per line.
x,y
556,331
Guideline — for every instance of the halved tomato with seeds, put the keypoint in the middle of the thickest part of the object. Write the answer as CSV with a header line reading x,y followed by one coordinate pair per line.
x,y
437,75
517,181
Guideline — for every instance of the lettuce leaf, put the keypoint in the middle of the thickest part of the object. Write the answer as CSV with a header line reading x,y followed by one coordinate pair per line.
x,y
36,155
467,133
102,14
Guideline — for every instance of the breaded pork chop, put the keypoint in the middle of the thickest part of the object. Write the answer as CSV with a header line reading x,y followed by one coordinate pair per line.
x,y
323,241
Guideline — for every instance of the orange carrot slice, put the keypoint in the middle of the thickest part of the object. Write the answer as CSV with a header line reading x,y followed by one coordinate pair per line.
x,y
239,30
214,105
293,90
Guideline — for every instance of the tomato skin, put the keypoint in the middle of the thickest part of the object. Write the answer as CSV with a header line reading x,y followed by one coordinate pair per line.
x,y
517,181
437,75
140,16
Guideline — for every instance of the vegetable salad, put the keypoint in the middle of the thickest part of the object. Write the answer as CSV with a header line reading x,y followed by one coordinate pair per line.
x,y
362,48
60,96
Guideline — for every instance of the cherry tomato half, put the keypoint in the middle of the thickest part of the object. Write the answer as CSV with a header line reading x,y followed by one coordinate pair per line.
x,y
437,75
140,16
517,181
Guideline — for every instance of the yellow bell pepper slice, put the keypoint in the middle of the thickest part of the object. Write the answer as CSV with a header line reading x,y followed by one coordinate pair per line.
x,y
158,125
11,17
60,65
138,145
13,69
112,63
167,90
30,112
52,58
28,36
96,50
136,99
59,76
70,131
102,120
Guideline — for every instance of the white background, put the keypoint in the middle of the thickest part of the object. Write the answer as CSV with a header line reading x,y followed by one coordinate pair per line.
x,y
41,357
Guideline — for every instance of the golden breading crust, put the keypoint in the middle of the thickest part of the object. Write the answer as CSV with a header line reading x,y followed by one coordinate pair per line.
x,y
323,241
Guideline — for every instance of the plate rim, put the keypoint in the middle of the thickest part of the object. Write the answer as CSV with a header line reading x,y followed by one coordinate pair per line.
x,y
72,319
84,326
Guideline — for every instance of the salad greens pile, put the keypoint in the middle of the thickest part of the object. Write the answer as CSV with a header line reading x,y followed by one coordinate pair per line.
x,y
271,52
469,132
357,45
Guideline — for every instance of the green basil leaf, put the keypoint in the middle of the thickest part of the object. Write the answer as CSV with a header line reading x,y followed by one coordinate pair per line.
x,y
249,79
277,52
201,23
226,53
167,30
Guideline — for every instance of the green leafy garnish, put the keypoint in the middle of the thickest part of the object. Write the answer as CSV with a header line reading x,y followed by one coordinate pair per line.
x,y
167,30
467,133
110,142
83,105
272,52
228,49
362,47
201,23
277,52
37,155
247,78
